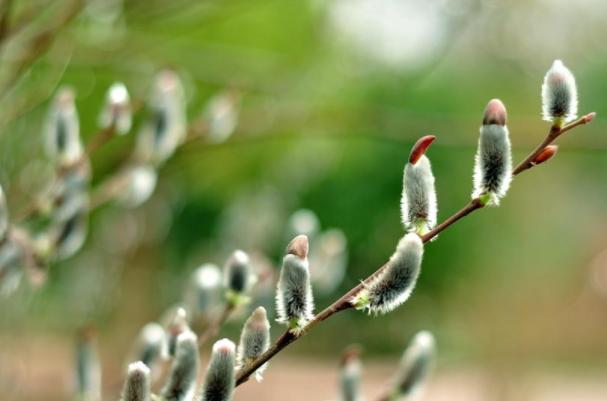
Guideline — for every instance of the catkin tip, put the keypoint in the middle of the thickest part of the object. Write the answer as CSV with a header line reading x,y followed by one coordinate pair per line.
x,y
495,113
420,148
299,246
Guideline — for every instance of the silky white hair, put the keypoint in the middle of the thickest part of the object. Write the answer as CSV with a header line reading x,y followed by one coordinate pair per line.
x,y
418,201
137,385
294,299
181,383
254,340
415,365
493,163
559,94
393,286
219,378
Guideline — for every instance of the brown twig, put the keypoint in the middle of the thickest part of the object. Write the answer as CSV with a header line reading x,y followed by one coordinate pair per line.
x,y
24,20
344,303
554,133
5,11
39,45
526,164
99,139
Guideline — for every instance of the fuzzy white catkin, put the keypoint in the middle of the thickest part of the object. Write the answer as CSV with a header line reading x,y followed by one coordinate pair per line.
x,y
219,380
294,299
393,286
4,217
418,201
202,292
166,126
70,214
329,262
350,380
415,366
221,115
88,367
177,325
254,340
559,95
12,263
117,109
181,383
493,163
237,272
149,346
138,185
137,385
70,235
63,143
303,222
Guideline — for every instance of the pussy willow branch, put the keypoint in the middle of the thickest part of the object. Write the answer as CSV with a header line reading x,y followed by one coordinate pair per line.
x,y
99,139
5,11
343,303
40,44
23,20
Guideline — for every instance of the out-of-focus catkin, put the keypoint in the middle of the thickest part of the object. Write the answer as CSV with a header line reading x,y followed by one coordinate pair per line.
x,y
254,340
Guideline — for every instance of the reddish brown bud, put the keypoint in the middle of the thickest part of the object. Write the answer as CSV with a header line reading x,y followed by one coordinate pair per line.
x,y
546,154
495,113
589,117
299,246
420,147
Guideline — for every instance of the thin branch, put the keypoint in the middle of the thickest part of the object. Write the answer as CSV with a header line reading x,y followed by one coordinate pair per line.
x,y
23,20
39,45
344,303
554,133
99,139
5,11
466,210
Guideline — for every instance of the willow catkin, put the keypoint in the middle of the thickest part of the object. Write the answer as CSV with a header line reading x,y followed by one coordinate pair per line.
x,y
294,299
117,112
166,125
237,274
254,340
181,383
559,95
393,286
63,143
493,162
219,380
414,367
418,201
137,384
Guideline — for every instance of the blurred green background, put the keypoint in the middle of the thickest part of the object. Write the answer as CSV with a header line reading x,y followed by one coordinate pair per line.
x,y
335,95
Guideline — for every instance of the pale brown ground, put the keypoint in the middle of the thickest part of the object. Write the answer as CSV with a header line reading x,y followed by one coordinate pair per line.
x,y
43,370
